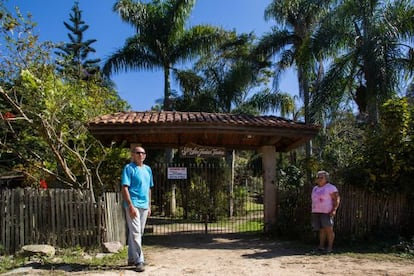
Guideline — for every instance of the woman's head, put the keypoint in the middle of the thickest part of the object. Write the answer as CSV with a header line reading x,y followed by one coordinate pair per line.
x,y
322,176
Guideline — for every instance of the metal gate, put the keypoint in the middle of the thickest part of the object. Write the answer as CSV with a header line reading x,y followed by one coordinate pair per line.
x,y
204,198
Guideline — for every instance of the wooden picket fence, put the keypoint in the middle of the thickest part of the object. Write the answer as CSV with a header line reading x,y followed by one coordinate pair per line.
x,y
361,214
59,217
68,218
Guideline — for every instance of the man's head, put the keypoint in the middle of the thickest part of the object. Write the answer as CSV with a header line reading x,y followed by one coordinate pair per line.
x,y
138,155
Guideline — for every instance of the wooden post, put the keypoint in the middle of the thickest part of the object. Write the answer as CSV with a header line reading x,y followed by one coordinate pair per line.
x,y
269,182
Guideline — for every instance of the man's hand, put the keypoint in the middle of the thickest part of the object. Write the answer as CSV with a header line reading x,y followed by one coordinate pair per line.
x,y
132,211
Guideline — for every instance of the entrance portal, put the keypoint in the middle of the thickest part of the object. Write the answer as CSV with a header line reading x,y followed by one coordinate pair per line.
x,y
200,199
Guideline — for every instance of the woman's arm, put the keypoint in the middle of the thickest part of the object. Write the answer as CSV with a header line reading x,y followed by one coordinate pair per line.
x,y
335,203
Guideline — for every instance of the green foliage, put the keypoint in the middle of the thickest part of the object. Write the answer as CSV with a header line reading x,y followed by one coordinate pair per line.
x,y
8,263
404,246
290,177
385,161
45,132
290,186
337,145
206,201
368,42
240,195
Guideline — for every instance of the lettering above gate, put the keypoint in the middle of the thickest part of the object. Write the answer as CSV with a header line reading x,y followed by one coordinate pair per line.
x,y
192,151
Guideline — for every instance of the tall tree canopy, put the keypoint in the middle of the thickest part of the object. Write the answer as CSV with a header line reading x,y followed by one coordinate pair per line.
x,y
368,45
161,39
296,21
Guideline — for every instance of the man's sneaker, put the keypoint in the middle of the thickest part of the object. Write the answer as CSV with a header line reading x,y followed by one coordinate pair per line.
x,y
131,263
140,267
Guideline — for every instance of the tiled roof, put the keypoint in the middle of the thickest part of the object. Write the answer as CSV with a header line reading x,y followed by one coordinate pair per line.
x,y
171,128
175,117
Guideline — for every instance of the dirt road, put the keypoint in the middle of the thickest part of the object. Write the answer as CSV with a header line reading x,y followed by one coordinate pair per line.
x,y
250,256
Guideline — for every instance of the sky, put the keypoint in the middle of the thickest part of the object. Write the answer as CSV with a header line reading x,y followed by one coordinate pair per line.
x,y
142,88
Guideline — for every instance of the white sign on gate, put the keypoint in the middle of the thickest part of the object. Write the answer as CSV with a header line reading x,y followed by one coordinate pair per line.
x,y
177,173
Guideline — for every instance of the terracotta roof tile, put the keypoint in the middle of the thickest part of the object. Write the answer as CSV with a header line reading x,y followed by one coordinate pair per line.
x,y
172,128
175,117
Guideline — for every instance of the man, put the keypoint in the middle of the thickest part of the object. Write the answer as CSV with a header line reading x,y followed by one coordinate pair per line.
x,y
137,181
325,202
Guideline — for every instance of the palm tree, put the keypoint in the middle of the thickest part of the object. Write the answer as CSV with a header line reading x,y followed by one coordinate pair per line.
x,y
226,74
296,22
161,39
369,40
224,79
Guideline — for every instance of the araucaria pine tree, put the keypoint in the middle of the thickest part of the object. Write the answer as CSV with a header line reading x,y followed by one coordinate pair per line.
x,y
73,56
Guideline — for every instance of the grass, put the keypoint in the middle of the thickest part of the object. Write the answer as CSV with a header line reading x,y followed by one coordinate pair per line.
x,y
79,259
253,206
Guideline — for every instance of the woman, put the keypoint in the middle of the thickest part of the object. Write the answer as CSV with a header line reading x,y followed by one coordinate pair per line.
x,y
325,202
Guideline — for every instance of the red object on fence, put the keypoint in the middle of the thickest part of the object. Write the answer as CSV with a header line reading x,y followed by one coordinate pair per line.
x,y
43,184
9,115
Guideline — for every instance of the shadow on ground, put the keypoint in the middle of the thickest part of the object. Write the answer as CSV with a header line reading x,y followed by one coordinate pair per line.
x,y
264,247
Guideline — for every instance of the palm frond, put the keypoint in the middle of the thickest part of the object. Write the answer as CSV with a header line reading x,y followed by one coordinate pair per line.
x,y
134,55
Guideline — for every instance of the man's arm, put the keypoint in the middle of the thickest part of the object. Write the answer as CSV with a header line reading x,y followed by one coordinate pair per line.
x,y
149,203
127,198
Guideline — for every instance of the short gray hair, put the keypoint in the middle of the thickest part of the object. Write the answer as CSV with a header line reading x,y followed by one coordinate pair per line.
x,y
324,173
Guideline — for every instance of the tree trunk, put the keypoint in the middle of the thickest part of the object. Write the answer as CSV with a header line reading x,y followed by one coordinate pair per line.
x,y
304,92
167,89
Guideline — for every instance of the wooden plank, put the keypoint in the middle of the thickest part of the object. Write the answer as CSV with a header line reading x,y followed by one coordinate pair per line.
x,y
71,214
15,226
79,221
27,226
3,218
92,221
34,212
99,220
41,215
53,215
38,212
6,225
45,199
65,214
108,218
9,222
21,218
105,216
32,217
84,220
55,210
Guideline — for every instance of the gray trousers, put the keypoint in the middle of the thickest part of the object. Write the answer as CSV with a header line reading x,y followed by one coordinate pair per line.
x,y
136,228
